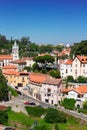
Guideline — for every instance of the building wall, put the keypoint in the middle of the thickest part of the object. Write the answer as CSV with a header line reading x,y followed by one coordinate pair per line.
x,y
76,68
53,96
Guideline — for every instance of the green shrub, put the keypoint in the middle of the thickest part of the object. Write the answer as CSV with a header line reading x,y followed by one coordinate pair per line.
x,y
35,111
3,117
54,116
68,103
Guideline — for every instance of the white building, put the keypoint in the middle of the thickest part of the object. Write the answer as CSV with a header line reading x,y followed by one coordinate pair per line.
x,y
65,68
79,94
79,66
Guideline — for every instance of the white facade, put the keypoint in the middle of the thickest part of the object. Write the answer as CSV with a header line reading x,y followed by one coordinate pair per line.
x,y
79,67
65,69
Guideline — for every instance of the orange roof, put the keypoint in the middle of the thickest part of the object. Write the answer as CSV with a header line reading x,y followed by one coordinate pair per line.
x,y
82,59
37,77
80,90
68,62
11,73
9,67
8,57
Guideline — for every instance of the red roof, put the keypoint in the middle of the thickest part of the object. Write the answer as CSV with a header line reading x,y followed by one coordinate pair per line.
x,y
80,89
37,77
82,59
68,62
7,57
11,73
9,67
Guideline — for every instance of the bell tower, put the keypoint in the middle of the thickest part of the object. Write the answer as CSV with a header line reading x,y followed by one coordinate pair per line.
x,y
15,51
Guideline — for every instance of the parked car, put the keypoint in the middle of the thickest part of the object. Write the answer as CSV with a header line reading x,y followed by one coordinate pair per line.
x,y
26,103
32,103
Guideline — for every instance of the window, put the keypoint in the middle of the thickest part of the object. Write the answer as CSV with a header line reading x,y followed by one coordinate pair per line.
x,y
83,65
75,65
66,71
75,71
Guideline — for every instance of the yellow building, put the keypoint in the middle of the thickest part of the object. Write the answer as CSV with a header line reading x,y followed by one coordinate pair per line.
x,y
19,79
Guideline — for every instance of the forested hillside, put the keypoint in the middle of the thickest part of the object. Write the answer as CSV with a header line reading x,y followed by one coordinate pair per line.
x,y
28,48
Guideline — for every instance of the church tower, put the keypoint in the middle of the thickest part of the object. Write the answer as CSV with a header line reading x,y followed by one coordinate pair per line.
x,y
15,51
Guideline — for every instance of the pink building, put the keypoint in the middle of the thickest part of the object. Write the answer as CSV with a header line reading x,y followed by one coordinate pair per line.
x,y
51,91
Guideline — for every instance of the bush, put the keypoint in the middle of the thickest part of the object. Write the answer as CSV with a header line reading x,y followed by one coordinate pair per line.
x,y
70,78
68,103
3,117
54,116
35,111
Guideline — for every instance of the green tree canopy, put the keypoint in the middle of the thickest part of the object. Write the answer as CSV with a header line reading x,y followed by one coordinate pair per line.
x,y
81,79
54,116
3,88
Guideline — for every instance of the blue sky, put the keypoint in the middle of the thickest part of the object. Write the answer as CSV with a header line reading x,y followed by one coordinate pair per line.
x,y
44,21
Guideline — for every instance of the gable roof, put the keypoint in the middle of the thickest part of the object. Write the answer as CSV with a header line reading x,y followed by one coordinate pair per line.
x,y
68,62
82,59
80,90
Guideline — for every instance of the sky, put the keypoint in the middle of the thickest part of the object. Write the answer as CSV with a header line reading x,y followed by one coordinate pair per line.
x,y
44,21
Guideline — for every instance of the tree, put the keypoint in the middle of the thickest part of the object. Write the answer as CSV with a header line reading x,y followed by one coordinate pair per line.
x,y
3,88
82,79
44,60
35,67
54,116
70,78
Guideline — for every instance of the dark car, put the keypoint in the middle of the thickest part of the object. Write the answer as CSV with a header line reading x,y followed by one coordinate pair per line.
x,y
32,103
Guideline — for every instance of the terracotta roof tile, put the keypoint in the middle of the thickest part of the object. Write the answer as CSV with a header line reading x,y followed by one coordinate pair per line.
x,y
80,89
11,73
9,57
9,67
37,77
82,59
68,62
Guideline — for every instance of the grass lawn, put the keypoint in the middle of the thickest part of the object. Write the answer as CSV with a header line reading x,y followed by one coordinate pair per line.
x,y
24,122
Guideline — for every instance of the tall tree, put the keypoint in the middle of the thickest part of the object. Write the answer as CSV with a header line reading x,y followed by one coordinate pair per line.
x,y
3,88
